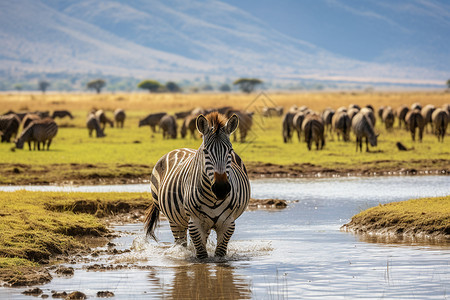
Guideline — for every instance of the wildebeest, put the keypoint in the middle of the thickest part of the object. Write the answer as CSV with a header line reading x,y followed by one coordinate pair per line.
x,y
9,126
352,112
440,119
245,123
39,131
314,131
189,124
388,118
152,120
426,112
415,120
446,107
119,117
400,113
380,113
362,127
369,113
287,126
297,123
168,124
61,114
327,116
354,106
103,119
92,124
341,124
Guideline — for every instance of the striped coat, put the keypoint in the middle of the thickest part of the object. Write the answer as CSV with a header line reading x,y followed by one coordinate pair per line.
x,y
103,119
440,119
201,189
313,128
9,126
400,113
40,131
362,127
92,124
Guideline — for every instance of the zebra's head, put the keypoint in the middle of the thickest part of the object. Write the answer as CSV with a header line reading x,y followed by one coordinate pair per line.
x,y
217,150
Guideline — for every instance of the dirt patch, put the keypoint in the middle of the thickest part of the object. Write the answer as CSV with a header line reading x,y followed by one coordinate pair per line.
x,y
24,276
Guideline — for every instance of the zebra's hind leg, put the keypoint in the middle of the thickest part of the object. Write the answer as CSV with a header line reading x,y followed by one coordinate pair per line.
x,y
199,236
179,233
223,237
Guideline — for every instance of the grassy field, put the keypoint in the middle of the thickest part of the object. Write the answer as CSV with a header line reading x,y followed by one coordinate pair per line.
x,y
129,154
426,216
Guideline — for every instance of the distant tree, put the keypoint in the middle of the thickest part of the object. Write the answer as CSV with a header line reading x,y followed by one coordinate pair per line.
x,y
207,87
224,88
43,85
96,84
150,85
172,87
18,87
247,85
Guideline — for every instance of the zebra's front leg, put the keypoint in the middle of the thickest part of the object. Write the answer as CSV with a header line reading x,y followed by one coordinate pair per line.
x,y
223,237
199,236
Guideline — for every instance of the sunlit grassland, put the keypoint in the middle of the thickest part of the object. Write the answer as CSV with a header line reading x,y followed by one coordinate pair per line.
x,y
140,148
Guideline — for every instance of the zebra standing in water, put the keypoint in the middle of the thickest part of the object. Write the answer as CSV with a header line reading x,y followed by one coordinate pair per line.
x,y
201,189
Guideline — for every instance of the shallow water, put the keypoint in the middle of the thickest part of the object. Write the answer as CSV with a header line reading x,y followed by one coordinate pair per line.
x,y
297,252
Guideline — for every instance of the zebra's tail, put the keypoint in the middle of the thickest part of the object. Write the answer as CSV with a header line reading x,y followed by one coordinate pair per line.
x,y
151,220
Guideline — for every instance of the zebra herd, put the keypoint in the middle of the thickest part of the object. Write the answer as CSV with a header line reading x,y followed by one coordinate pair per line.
x,y
37,127
314,126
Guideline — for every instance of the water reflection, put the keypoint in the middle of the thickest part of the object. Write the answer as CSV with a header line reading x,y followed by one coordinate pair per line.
x,y
204,281
404,240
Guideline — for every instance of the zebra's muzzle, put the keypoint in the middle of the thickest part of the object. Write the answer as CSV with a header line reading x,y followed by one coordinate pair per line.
x,y
221,187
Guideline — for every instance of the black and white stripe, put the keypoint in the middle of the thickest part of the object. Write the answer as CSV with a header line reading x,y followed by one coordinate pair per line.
x,y
40,131
201,189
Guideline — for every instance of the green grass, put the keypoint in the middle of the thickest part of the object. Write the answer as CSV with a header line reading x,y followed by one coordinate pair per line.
x,y
37,225
426,215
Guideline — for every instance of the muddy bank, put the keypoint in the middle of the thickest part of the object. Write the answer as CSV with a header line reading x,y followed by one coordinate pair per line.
x,y
94,174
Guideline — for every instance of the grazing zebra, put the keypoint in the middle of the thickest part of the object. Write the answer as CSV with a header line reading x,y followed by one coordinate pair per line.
x,y
119,117
341,124
61,114
388,118
9,126
168,124
152,120
363,128
39,131
426,112
20,115
415,120
313,128
400,113
440,119
28,119
245,122
92,124
189,123
201,189
103,119
327,116
297,123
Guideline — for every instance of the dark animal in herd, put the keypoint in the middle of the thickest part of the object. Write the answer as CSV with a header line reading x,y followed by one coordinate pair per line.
x,y
201,190
103,119
119,117
9,127
313,129
189,124
341,123
440,119
39,131
245,123
168,124
362,127
414,120
152,120
388,118
61,114
92,124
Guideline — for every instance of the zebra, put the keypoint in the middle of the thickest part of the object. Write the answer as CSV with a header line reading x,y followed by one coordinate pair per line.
x,y
417,106
38,131
103,119
152,120
380,112
92,124
327,117
363,128
297,123
415,120
201,189
28,119
354,106
369,112
426,112
61,114
287,126
440,119
189,124
388,118
119,117
313,128
400,113
9,126
168,124
245,122
268,111
341,123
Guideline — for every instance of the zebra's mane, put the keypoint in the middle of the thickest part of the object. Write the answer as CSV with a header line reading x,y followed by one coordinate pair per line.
x,y
216,120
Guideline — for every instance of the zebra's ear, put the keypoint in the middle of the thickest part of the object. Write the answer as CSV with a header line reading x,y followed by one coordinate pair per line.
x,y
202,124
232,124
